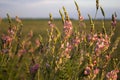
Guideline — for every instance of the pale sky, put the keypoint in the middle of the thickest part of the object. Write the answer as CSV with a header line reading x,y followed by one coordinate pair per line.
x,y
42,8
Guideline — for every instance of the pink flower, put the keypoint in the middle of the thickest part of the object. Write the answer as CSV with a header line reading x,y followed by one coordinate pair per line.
x,y
95,37
21,52
37,42
112,75
62,45
51,24
67,28
114,22
102,43
81,18
87,70
30,34
107,57
18,20
76,41
96,71
89,37
6,39
67,50
11,31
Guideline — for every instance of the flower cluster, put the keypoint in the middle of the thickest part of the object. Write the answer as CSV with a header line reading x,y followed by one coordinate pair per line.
x,y
102,43
67,28
6,39
87,70
51,24
112,75
68,48
91,70
76,41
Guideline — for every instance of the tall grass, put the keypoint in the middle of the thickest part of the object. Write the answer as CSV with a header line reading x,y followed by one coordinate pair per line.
x,y
71,52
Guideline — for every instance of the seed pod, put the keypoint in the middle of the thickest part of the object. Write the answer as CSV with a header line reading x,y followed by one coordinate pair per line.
x,y
102,11
97,4
78,10
51,18
62,16
91,22
18,20
115,14
9,19
66,14
113,17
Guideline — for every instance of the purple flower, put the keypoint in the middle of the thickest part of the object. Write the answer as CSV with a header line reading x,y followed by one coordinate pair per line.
x,y
87,70
5,51
89,37
34,68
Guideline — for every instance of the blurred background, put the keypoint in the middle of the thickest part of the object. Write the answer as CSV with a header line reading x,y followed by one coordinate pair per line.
x,y
42,8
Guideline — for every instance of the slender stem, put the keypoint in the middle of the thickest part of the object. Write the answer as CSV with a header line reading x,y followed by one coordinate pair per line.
x,y
95,17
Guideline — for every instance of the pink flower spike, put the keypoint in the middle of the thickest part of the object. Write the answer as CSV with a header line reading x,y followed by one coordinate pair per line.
x,y
81,18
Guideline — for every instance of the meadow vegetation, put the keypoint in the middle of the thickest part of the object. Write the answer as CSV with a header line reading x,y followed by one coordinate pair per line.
x,y
61,49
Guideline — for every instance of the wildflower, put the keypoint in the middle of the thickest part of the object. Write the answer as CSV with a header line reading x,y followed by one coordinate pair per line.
x,y
21,52
30,34
107,57
6,39
95,37
89,37
81,18
47,65
96,71
10,31
51,24
102,43
62,46
112,75
113,22
5,51
67,50
87,70
37,42
67,28
18,20
94,62
34,68
76,41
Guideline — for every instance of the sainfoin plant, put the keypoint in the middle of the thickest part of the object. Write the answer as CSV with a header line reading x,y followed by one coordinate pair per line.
x,y
73,54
